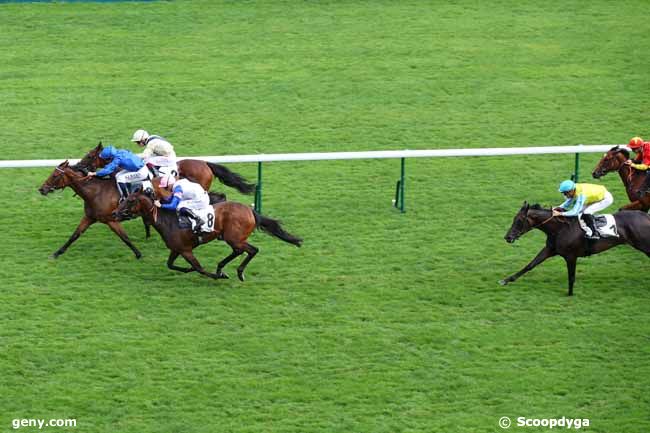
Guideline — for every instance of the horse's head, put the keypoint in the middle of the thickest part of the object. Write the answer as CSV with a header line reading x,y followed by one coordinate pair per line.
x,y
59,179
92,161
136,204
613,160
520,224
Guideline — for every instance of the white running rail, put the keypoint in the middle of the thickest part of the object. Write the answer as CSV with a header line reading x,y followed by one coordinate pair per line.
x,y
382,154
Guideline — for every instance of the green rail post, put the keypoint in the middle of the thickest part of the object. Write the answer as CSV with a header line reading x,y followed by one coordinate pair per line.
x,y
258,189
576,170
401,186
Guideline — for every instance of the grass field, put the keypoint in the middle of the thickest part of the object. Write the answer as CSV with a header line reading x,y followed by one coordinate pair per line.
x,y
382,322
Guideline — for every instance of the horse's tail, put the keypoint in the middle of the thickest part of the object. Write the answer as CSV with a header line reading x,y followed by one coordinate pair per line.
x,y
230,178
273,227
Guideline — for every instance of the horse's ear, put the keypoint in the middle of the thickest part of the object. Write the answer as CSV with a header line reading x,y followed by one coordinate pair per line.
x,y
64,163
99,146
525,205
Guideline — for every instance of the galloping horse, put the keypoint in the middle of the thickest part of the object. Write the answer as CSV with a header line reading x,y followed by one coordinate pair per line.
x,y
614,160
100,199
565,238
195,170
233,223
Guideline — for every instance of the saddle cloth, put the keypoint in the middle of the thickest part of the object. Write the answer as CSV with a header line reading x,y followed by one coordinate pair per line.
x,y
606,225
206,214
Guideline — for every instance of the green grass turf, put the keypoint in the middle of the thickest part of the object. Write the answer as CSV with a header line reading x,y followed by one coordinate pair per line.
x,y
382,322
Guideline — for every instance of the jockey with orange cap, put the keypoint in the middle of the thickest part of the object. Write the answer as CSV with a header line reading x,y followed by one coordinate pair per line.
x,y
642,161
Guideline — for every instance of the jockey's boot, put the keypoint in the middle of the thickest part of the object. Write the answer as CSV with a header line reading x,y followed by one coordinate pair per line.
x,y
123,188
195,217
591,223
154,170
645,188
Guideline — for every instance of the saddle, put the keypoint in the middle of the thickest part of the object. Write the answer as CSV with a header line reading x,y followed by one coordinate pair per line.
x,y
605,225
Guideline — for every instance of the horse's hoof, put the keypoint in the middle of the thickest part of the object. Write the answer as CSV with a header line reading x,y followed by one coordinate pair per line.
x,y
54,256
138,256
240,274
223,275
503,282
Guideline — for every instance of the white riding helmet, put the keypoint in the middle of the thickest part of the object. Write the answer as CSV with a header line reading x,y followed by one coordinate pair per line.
x,y
140,135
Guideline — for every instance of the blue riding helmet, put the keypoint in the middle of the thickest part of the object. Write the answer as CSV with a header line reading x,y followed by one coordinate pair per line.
x,y
567,185
107,152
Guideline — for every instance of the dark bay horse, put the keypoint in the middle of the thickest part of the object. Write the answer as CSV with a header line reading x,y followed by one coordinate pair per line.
x,y
565,238
234,223
195,170
614,160
100,200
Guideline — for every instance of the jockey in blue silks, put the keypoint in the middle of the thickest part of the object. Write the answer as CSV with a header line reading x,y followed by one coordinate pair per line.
x,y
132,168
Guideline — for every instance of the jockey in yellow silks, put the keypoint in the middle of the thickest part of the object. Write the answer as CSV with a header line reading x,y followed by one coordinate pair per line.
x,y
583,199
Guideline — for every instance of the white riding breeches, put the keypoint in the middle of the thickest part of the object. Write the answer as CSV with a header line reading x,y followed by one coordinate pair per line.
x,y
195,204
166,165
599,205
132,176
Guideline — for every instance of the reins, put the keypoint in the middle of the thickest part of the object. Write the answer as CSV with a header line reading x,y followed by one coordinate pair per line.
x,y
543,222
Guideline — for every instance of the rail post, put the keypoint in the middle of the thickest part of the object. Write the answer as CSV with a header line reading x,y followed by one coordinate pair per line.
x,y
258,189
399,188
576,170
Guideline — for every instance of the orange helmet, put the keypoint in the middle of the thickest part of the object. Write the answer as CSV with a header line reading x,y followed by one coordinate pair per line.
x,y
635,143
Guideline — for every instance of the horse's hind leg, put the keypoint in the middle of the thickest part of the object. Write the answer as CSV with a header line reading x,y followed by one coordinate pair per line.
x,y
251,251
82,227
170,263
187,255
236,252
119,230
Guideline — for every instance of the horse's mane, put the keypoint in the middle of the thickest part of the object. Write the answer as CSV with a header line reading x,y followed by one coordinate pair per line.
x,y
538,206
625,151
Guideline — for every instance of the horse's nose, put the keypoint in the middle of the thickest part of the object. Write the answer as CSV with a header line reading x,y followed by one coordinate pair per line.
x,y
595,174
42,190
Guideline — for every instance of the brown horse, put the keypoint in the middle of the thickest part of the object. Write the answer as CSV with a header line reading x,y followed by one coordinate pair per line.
x,y
565,238
195,170
614,160
233,223
100,199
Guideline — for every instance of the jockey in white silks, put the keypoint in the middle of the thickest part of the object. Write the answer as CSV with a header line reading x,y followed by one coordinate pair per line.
x,y
157,152
188,198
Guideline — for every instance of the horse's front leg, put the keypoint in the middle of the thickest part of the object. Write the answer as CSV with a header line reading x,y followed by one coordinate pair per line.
x,y
544,254
82,227
119,230
635,205
571,268
187,255
170,263
147,230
